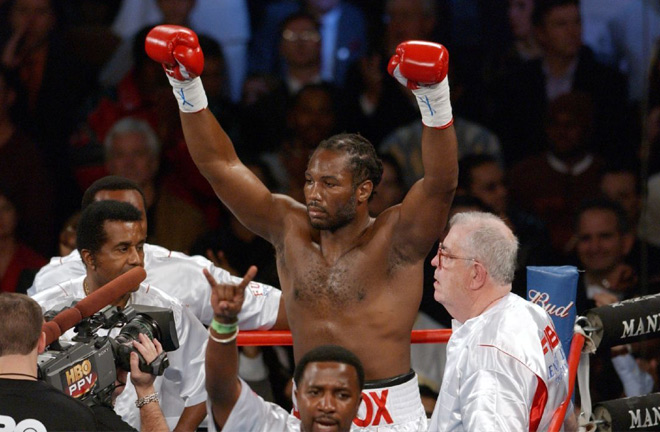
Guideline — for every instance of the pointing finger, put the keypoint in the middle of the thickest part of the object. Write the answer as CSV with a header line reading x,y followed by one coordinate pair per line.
x,y
249,275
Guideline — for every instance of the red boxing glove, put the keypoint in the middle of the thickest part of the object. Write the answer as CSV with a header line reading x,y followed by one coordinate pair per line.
x,y
177,49
422,67
421,62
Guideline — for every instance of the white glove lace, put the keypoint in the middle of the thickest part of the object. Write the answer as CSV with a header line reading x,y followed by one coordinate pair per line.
x,y
433,100
434,104
189,94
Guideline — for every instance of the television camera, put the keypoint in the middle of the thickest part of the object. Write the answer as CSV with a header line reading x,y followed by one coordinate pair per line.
x,y
86,366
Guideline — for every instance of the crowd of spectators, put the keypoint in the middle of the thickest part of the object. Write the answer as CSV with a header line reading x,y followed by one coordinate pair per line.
x,y
555,102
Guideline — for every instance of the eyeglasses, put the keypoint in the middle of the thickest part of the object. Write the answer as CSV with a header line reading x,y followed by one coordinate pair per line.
x,y
305,36
443,254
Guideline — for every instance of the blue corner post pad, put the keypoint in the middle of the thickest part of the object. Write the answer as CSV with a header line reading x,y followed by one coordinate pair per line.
x,y
555,289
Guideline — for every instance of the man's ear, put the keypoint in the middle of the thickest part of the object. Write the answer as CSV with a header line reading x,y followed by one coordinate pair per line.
x,y
479,275
41,344
357,407
88,258
364,191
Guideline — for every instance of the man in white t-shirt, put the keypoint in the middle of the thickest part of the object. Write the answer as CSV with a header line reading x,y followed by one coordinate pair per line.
x,y
329,379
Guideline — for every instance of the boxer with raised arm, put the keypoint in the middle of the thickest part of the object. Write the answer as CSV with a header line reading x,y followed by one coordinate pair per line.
x,y
347,279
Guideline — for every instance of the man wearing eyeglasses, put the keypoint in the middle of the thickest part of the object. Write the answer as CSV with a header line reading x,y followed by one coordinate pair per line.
x,y
505,369
300,52
342,31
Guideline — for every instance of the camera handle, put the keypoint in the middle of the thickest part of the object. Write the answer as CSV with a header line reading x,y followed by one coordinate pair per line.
x,y
156,367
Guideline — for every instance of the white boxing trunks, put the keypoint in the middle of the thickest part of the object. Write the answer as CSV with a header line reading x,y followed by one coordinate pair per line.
x,y
389,405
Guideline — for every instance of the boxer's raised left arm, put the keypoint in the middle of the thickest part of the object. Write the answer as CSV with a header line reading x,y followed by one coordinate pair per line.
x,y
422,67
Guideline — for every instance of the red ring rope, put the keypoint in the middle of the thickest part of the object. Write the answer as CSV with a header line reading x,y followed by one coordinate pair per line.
x,y
573,361
283,337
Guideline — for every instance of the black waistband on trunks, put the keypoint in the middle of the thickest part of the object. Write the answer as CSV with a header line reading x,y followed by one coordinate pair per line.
x,y
390,382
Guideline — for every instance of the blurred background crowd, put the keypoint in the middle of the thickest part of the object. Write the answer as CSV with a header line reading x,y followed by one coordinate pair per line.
x,y
556,105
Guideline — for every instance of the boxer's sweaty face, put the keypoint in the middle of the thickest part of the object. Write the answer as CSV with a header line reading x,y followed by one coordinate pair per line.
x,y
329,192
328,397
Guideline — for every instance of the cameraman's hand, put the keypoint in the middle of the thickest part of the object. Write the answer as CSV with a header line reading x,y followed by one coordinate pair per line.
x,y
144,381
227,299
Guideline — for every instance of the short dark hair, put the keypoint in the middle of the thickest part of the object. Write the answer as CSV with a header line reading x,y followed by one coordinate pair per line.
x,y
296,16
20,326
602,203
329,353
91,233
467,164
109,183
543,7
364,162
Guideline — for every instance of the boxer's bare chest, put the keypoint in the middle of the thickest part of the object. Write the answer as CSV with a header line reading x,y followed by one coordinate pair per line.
x,y
313,279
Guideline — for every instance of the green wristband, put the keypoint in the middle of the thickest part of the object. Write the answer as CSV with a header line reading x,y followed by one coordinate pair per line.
x,y
221,328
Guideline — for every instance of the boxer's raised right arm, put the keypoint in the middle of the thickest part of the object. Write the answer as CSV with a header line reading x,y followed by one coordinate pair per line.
x,y
177,49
